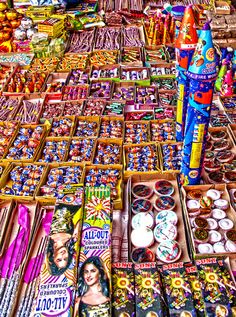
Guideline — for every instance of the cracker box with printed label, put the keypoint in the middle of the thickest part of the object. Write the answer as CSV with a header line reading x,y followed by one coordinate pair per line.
x,y
217,301
178,292
94,283
55,296
123,300
148,294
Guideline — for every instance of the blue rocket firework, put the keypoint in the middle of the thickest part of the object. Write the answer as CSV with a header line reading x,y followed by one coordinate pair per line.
x,y
202,74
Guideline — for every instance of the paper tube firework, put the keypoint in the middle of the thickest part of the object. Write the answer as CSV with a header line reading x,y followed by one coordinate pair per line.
x,y
185,45
202,75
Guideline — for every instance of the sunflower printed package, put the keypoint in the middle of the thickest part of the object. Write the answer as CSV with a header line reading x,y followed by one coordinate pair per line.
x,y
215,286
148,292
94,270
123,294
57,282
178,292
195,286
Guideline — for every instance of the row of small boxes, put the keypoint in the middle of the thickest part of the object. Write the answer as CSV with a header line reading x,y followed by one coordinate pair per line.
x,y
10,185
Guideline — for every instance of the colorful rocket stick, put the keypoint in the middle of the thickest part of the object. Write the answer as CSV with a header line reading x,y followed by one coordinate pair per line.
x,y
202,75
185,45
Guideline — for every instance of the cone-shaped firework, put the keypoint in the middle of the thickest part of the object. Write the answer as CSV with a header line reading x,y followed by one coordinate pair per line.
x,y
185,45
202,75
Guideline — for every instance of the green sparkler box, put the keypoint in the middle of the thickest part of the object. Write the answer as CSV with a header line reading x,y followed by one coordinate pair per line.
x,y
123,295
94,270
57,282
113,177
149,299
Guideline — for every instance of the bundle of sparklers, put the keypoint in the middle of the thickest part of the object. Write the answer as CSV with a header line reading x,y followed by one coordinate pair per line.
x,y
23,241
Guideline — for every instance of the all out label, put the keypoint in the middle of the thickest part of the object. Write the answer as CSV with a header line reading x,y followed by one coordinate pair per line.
x,y
53,301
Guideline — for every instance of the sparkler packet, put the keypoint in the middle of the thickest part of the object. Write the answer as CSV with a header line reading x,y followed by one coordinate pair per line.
x,y
58,274
178,292
94,282
148,293
214,289
192,275
123,299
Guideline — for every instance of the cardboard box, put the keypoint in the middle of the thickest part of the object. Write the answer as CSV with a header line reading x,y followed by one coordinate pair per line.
x,y
117,90
55,78
161,156
6,181
166,135
39,196
224,166
22,112
109,142
222,7
108,120
128,173
7,140
86,159
150,180
136,57
146,131
139,70
230,213
100,69
36,149
53,27
56,121
41,155
162,70
88,120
